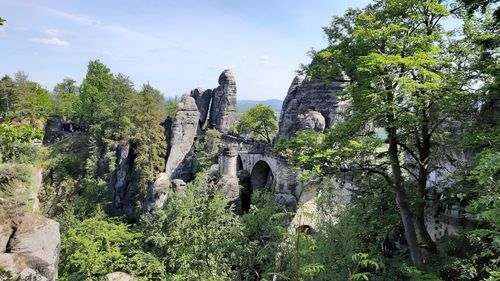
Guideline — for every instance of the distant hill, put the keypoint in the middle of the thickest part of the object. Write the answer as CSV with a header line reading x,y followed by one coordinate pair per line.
x,y
246,104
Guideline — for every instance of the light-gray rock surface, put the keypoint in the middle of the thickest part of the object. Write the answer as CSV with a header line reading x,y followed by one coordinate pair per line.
x,y
119,276
33,244
223,112
157,194
309,98
184,132
203,98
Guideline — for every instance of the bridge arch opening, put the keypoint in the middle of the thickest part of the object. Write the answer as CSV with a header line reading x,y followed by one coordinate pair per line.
x,y
261,176
306,229
239,163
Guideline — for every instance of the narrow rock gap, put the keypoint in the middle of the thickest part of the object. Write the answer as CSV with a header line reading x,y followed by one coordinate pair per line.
x,y
8,248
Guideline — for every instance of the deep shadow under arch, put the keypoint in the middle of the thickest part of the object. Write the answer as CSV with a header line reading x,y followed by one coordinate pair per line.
x,y
239,163
261,176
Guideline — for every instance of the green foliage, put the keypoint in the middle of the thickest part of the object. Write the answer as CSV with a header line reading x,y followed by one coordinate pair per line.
x,y
148,135
15,142
38,102
96,247
94,89
207,149
2,21
67,99
196,236
264,228
16,183
8,96
258,122
171,108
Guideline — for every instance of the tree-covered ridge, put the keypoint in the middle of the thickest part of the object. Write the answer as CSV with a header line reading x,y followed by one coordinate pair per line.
x,y
419,136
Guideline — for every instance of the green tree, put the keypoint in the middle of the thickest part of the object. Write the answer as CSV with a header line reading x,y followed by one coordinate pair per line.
x,y
149,135
8,96
15,142
259,122
67,99
171,108
2,21
96,247
94,89
196,235
402,80
36,102
118,125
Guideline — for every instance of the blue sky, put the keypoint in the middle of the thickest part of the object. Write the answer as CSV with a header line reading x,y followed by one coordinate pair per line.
x,y
174,45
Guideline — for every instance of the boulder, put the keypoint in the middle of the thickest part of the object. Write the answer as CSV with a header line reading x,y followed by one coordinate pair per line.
x,y
308,99
312,120
157,194
33,247
119,276
179,185
287,200
223,111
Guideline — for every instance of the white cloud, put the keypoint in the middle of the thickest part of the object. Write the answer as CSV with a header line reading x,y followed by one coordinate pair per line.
x,y
50,41
117,29
264,58
51,32
2,30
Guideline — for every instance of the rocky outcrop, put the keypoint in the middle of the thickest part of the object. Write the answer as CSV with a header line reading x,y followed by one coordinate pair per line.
x,y
312,120
32,247
157,193
29,243
118,276
310,104
197,111
179,185
203,98
223,111
121,181
184,132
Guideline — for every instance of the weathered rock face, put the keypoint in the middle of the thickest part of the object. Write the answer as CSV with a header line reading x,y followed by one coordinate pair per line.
x,y
184,132
310,104
198,110
179,185
202,97
223,109
312,120
32,247
118,276
121,181
157,193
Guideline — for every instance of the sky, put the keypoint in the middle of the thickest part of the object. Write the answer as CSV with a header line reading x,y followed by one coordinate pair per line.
x,y
175,46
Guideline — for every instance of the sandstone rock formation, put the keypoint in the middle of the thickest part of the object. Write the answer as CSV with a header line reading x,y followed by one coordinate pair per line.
x,y
310,104
32,246
184,132
197,111
157,193
223,109
203,98
29,243
119,276
179,185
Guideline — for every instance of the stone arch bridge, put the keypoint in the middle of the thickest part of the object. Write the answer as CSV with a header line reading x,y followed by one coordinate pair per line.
x,y
256,166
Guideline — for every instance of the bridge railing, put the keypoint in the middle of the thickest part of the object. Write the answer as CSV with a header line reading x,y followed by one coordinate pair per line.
x,y
258,147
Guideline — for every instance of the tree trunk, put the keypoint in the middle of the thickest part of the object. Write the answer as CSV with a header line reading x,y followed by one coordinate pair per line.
x,y
424,151
402,201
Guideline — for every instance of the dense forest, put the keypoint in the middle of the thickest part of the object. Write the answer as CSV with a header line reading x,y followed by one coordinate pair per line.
x,y
419,134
